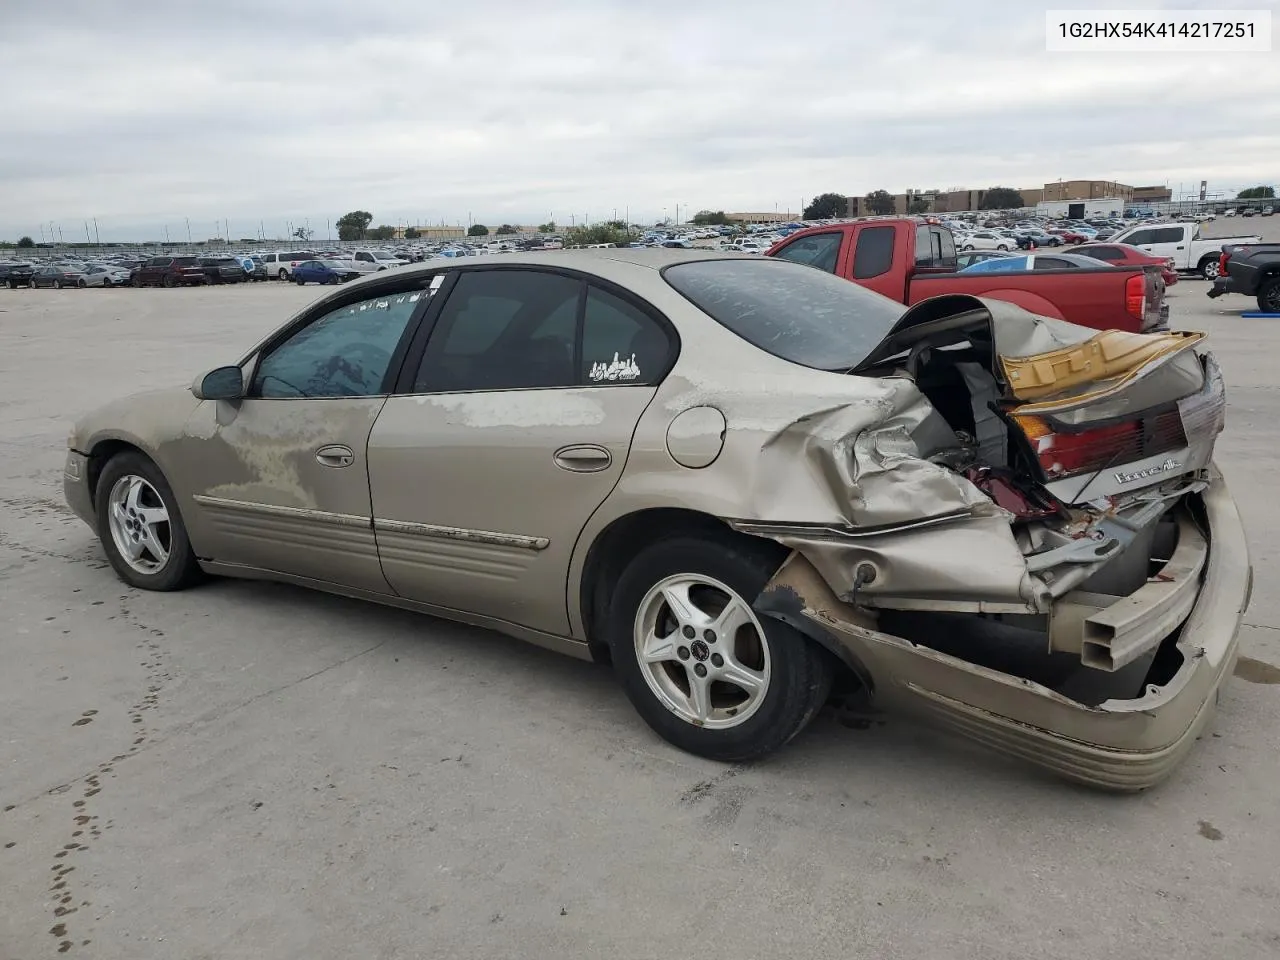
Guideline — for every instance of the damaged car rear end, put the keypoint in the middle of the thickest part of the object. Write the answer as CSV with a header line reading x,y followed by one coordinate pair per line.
x,y
1037,549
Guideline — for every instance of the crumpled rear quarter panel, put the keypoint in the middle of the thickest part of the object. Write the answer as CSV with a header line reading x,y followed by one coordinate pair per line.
x,y
1119,744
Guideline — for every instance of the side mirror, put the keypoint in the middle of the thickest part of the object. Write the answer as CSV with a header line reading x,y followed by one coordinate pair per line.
x,y
221,383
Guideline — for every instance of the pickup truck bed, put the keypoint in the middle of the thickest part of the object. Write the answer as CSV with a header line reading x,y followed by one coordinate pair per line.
x,y
909,261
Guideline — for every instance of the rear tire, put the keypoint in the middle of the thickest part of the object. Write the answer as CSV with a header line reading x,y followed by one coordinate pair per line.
x,y
282,276
726,721
967,248
1269,295
81,284
1209,268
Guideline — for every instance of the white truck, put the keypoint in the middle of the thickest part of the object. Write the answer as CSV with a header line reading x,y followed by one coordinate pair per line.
x,y
1180,243
378,259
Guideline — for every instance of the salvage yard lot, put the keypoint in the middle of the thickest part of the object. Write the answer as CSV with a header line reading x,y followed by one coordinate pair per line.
x,y
250,770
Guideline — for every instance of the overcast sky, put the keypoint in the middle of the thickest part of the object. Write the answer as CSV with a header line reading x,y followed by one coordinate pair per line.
x,y
143,114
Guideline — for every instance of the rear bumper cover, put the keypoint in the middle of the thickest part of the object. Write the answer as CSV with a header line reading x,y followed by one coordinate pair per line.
x,y
1118,744
1224,285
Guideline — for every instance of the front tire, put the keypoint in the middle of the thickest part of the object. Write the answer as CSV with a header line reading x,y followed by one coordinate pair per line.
x,y
968,247
1002,248
702,669
300,281
140,526
1209,268
1269,295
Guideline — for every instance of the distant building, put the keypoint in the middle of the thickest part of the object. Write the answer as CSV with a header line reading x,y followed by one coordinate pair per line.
x,y
771,216
1079,209
1087,190
1145,195
961,201
433,233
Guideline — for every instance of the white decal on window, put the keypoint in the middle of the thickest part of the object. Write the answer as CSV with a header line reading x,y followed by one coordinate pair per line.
x,y
617,370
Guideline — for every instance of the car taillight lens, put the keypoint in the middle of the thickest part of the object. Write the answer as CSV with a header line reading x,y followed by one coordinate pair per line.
x,y
1222,263
1135,296
1064,453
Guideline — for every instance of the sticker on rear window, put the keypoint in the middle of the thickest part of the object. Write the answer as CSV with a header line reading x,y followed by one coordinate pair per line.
x,y
618,369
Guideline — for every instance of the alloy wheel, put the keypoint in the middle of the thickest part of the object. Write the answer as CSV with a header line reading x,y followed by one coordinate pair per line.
x,y
702,651
139,523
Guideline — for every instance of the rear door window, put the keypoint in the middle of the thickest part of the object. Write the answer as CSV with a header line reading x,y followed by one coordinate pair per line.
x,y
621,344
503,330
873,254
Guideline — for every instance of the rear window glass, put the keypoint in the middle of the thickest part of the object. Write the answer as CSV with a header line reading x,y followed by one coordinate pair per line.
x,y
802,315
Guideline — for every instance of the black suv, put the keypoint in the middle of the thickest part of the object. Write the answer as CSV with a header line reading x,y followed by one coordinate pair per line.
x,y
223,270
16,274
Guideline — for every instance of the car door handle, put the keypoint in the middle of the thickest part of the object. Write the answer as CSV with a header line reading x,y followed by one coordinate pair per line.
x,y
335,455
583,458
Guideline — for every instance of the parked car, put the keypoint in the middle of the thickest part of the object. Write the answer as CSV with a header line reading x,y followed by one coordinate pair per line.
x,y
58,277
255,268
325,271
1043,238
1077,235
1125,254
910,262
104,275
966,259
986,240
1033,261
1268,210
16,274
1252,269
385,261
279,265
739,477
222,270
169,272
1182,243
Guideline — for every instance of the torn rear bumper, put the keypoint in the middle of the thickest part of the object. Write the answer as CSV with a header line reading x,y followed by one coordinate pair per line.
x,y
1127,744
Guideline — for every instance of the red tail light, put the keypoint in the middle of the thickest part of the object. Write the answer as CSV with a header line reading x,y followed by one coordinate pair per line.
x,y
1065,454
1135,296
1222,263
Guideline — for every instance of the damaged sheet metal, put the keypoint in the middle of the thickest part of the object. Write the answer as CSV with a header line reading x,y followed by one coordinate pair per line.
x,y
864,464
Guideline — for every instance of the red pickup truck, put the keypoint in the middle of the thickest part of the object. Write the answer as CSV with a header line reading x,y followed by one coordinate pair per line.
x,y
910,261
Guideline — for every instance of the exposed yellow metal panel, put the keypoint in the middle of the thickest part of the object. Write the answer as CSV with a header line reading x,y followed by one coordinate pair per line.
x,y
1113,356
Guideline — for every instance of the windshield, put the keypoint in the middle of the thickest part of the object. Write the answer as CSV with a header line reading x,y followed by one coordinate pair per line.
x,y
792,311
382,255
334,264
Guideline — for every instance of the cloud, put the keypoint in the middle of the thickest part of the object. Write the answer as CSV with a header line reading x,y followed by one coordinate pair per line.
x,y
146,113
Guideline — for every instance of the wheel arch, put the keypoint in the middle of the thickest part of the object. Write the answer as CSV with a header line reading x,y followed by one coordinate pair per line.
x,y
103,449
624,537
